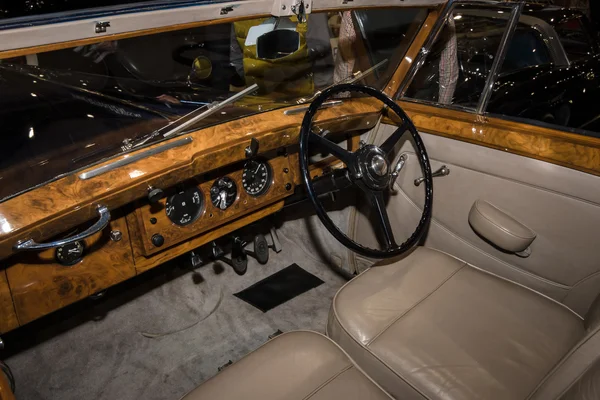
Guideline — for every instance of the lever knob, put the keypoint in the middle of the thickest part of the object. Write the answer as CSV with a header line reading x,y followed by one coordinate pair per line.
x,y
157,239
155,194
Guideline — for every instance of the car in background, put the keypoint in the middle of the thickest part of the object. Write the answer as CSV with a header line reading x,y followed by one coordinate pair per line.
x,y
551,71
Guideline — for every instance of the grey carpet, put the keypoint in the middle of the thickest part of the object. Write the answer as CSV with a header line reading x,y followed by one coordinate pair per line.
x,y
167,333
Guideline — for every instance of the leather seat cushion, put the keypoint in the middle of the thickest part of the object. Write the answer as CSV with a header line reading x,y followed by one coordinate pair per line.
x,y
295,366
431,326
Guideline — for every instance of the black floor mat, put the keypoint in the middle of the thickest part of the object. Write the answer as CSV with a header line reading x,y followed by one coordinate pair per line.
x,y
279,288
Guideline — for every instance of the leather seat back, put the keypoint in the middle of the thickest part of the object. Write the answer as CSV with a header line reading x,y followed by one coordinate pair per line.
x,y
577,376
586,388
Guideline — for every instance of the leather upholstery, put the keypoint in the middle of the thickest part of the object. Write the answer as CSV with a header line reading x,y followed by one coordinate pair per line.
x,y
588,387
561,205
499,228
431,326
295,366
576,370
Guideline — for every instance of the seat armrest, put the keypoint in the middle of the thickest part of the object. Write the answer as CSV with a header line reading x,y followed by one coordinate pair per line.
x,y
499,228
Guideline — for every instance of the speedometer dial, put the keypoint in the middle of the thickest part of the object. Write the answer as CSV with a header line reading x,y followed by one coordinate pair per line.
x,y
256,177
185,207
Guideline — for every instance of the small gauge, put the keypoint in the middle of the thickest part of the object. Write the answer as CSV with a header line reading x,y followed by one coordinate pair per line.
x,y
256,177
185,207
70,254
223,193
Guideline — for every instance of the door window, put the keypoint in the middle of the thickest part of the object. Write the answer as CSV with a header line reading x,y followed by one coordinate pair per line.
x,y
550,73
459,62
536,87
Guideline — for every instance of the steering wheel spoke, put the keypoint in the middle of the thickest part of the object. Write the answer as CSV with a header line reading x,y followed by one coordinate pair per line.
x,y
377,202
390,143
320,140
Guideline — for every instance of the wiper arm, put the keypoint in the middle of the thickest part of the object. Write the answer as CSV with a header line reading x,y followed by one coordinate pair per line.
x,y
351,79
212,108
128,144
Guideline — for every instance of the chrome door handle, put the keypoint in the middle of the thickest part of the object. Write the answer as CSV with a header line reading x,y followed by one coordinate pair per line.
x,y
30,245
443,171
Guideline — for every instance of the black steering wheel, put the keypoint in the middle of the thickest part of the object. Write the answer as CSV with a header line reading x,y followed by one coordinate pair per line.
x,y
368,168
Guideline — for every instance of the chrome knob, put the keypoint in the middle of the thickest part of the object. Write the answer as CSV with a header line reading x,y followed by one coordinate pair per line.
x,y
443,171
116,235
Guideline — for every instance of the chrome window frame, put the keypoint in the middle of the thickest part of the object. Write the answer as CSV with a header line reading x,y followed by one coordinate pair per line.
x,y
494,71
545,29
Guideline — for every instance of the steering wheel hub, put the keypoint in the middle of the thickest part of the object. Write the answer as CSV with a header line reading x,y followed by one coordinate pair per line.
x,y
372,162
379,165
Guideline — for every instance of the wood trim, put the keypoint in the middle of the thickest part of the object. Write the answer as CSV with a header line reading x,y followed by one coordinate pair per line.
x,y
143,263
5,392
40,285
412,53
67,202
8,317
212,217
570,150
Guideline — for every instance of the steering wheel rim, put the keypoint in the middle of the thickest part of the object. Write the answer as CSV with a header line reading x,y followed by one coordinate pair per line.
x,y
358,171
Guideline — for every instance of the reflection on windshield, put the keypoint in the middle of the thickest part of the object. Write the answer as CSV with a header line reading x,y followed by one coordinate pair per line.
x,y
68,109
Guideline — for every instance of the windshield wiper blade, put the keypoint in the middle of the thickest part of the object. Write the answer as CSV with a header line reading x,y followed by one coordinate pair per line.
x,y
212,108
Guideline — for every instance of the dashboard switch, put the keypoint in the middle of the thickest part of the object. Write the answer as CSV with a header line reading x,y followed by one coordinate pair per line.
x,y
252,150
158,239
155,194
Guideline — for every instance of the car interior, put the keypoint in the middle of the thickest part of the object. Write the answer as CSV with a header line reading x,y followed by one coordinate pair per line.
x,y
298,199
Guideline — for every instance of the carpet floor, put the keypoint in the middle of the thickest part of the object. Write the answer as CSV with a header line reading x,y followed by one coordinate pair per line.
x,y
165,332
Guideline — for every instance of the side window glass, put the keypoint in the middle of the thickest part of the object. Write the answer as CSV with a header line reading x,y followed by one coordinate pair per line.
x,y
574,38
458,64
550,75
526,49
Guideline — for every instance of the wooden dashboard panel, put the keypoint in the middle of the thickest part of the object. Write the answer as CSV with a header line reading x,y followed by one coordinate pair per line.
x,y
39,285
8,318
211,217
57,206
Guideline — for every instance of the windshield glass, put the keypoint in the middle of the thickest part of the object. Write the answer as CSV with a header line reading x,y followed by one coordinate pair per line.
x,y
68,109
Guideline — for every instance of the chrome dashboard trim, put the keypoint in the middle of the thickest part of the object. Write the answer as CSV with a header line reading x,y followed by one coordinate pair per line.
x,y
129,159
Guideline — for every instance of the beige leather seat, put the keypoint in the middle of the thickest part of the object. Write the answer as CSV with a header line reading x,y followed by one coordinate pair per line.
x,y
432,327
295,366
427,327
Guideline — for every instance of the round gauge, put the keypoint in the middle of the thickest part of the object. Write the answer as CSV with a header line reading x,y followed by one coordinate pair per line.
x,y
70,254
223,193
256,177
185,207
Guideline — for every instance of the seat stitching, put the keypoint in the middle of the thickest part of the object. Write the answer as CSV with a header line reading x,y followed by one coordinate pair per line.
x,y
383,362
414,305
327,382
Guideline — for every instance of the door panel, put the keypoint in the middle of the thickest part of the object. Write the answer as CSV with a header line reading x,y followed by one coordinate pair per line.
x,y
562,206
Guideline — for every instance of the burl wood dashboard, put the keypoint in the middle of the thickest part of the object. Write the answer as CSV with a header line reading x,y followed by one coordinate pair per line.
x,y
206,195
